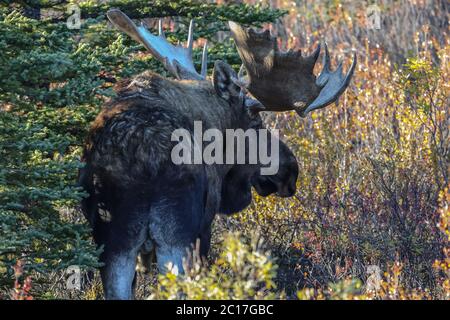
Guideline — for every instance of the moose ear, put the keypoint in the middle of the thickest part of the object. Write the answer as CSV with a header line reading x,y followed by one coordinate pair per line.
x,y
224,78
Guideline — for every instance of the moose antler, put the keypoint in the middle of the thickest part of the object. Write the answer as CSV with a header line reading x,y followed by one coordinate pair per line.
x,y
176,59
284,81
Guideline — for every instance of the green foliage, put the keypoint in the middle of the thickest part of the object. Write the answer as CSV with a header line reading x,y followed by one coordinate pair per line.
x,y
53,81
46,104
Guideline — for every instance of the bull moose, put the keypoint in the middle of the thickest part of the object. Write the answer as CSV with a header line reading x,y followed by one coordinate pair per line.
x,y
139,201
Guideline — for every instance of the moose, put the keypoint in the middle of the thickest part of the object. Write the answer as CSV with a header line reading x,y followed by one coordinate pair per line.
x,y
139,202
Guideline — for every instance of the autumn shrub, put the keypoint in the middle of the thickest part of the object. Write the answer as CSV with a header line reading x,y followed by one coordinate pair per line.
x,y
242,271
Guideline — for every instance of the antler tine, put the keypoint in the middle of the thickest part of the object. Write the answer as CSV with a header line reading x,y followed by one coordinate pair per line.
x,y
240,81
160,29
204,60
333,84
322,78
190,41
241,71
176,59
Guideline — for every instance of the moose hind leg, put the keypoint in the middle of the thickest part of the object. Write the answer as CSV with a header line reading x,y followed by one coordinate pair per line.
x,y
175,224
118,275
121,239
